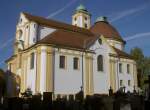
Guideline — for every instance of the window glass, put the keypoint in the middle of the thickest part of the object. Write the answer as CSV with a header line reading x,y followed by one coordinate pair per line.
x,y
75,18
129,82
76,63
121,82
85,25
62,62
100,41
120,67
85,18
100,63
128,68
32,61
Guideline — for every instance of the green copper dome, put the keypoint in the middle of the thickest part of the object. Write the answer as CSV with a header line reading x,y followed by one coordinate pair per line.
x,y
81,7
102,18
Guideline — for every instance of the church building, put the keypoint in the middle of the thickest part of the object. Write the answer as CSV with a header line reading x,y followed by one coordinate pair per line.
x,y
52,56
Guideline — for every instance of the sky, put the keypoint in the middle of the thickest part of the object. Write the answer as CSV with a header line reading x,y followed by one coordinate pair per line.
x,y
130,17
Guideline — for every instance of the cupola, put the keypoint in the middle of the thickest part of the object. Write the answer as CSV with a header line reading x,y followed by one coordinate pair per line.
x,y
102,19
81,17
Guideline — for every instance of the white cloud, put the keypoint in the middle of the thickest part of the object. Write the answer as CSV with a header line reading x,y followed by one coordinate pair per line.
x,y
50,16
62,9
5,44
136,36
126,13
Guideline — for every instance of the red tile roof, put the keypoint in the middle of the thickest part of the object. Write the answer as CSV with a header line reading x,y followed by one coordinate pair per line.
x,y
75,37
69,39
56,24
122,54
104,28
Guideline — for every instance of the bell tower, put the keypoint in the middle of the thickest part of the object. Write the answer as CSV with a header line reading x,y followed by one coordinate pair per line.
x,y
81,17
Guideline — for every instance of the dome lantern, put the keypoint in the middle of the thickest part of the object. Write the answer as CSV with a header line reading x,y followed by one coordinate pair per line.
x,y
102,19
81,7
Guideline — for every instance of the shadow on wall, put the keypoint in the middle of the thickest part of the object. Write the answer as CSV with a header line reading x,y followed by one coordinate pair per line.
x,y
12,84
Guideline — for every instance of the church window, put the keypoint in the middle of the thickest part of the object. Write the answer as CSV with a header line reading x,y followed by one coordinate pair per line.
x,y
34,25
120,67
121,82
75,18
20,33
100,63
27,27
62,62
100,41
32,61
76,63
129,82
85,25
20,20
128,68
85,18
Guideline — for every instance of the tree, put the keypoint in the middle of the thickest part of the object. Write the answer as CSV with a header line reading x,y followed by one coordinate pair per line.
x,y
138,55
143,65
2,83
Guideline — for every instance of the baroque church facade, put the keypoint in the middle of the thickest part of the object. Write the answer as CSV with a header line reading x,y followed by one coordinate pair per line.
x,y
51,56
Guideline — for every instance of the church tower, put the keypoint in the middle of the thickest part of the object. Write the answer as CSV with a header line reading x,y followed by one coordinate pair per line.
x,y
81,17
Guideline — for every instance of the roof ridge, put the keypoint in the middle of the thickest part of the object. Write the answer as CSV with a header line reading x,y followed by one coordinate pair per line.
x,y
108,30
57,24
122,53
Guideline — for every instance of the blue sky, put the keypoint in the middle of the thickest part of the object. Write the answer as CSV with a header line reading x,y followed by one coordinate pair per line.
x,y
130,17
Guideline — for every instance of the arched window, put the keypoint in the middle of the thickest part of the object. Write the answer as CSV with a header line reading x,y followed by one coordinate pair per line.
x,y
100,41
20,33
32,61
100,63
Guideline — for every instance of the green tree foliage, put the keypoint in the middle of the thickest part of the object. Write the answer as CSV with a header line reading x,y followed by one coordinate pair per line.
x,y
143,65
138,55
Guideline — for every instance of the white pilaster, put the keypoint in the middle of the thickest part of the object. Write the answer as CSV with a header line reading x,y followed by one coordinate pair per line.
x,y
43,70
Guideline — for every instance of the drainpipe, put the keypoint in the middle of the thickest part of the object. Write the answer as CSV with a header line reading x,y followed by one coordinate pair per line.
x,y
82,73
53,72
117,73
